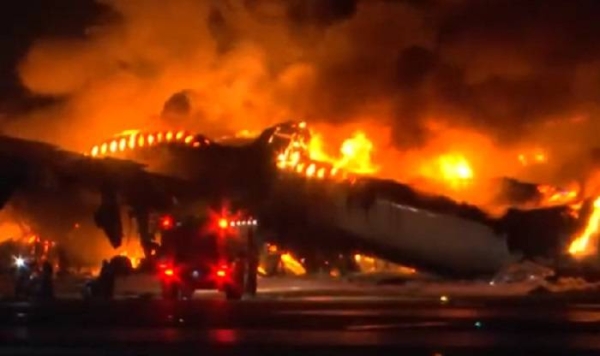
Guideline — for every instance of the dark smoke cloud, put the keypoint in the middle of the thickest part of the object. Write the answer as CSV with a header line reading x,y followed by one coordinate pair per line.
x,y
520,60
500,66
508,69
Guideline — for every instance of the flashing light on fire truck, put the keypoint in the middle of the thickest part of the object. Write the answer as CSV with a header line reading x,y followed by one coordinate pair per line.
x,y
249,222
223,223
219,274
166,270
166,222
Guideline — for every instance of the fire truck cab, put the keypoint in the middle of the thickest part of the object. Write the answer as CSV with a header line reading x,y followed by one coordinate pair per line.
x,y
197,253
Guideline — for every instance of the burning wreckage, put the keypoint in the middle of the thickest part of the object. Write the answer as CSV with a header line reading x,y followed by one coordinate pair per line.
x,y
302,204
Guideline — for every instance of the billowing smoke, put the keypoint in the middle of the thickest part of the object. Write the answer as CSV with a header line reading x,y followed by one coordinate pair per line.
x,y
512,74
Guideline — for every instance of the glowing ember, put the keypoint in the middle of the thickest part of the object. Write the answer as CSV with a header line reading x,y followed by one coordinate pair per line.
x,y
581,246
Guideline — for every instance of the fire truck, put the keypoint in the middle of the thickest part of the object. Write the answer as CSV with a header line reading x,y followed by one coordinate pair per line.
x,y
207,253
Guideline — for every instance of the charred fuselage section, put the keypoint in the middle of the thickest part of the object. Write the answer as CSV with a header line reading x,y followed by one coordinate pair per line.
x,y
302,213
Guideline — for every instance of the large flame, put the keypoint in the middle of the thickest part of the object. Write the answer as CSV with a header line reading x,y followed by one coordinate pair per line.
x,y
313,160
583,245
455,167
133,252
355,153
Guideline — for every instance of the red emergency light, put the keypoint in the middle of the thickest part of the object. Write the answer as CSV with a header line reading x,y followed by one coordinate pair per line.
x,y
166,270
223,223
221,273
166,222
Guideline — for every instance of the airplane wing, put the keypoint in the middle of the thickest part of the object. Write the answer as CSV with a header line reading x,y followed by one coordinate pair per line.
x,y
56,187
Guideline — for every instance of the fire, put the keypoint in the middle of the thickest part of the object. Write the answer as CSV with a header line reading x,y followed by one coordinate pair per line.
x,y
312,160
132,251
355,153
455,169
556,196
247,134
580,246
11,230
133,139
537,157
308,157
583,244
292,264
372,264
451,169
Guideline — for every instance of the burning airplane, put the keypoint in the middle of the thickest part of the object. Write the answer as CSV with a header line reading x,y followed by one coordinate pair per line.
x,y
303,196
311,194
248,65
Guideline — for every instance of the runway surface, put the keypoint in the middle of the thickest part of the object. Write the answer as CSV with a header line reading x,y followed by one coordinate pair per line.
x,y
315,321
